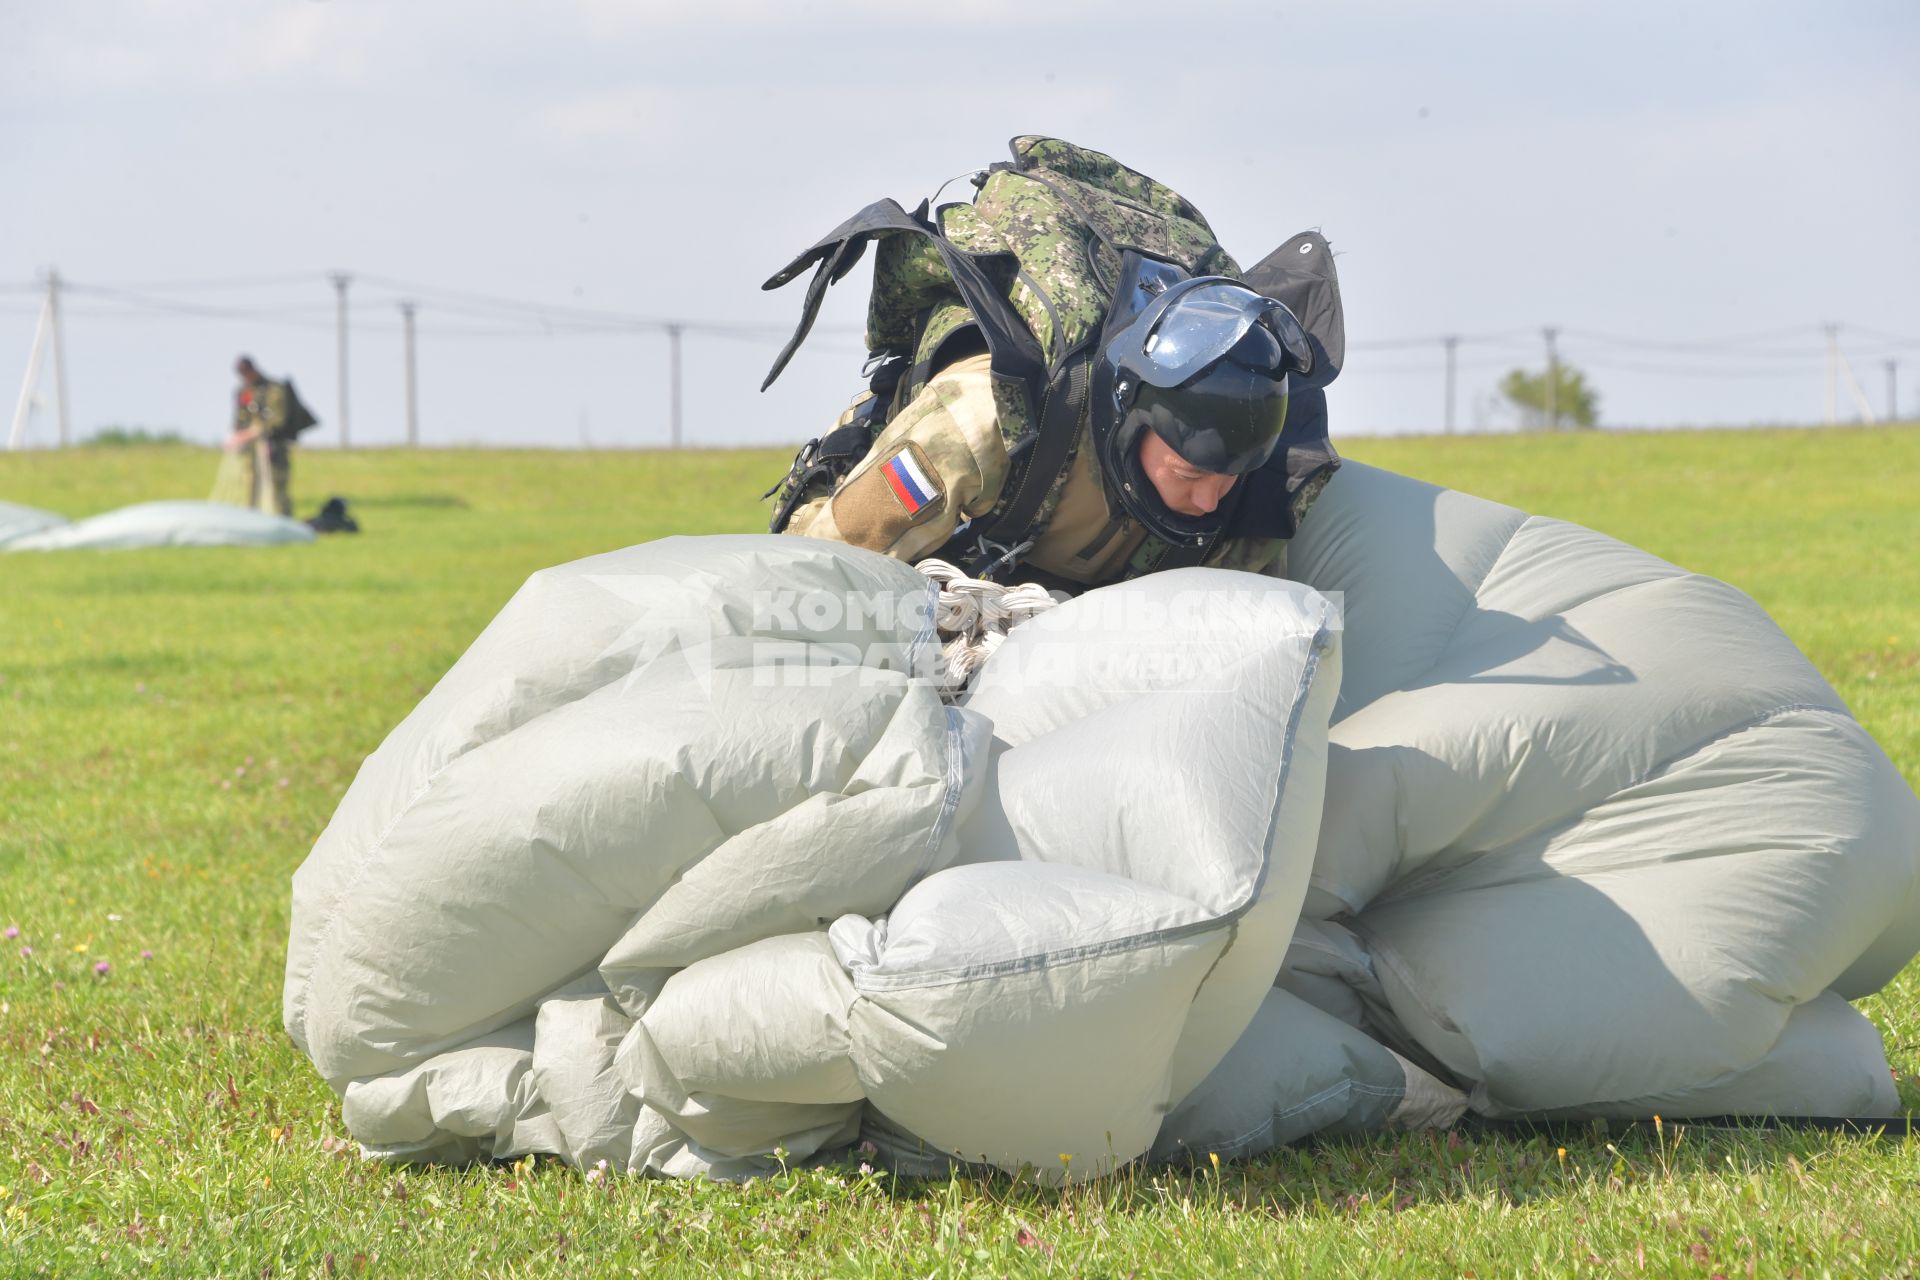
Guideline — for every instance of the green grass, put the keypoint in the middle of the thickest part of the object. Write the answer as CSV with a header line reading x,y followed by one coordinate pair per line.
x,y
176,726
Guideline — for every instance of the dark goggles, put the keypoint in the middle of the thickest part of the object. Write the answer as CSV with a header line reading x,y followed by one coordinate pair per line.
x,y
1194,323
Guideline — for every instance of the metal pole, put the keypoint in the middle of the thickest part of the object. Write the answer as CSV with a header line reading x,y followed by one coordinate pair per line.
x,y
340,281
25,405
1452,342
1893,391
413,399
673,342
59,355
1553,380
1859,392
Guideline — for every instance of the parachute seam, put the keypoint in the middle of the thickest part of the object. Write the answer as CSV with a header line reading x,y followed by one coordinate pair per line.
x,y
929,633
1435,882
1751,722
1039,960
949,802
1309,670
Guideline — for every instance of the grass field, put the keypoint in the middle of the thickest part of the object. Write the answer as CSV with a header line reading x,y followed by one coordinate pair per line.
x,y
176,727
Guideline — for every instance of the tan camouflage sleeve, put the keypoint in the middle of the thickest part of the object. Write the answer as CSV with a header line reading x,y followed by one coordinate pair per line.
x,y
941,461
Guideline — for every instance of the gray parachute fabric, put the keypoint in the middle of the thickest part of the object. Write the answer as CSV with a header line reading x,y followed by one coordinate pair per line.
x,y
17,522
685,861
683,864
1598,841
162,524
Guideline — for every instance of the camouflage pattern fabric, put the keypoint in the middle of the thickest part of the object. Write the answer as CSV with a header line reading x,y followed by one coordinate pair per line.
x,y
1058,218
908,280
954,431
1064,226
260,479
1049,229
264,406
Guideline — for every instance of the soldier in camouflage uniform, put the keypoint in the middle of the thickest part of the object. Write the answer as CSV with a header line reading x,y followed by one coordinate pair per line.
x,y
1211,462
942,461
264,425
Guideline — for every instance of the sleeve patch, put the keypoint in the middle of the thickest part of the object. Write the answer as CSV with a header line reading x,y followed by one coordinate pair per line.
x,y
909,481
874,508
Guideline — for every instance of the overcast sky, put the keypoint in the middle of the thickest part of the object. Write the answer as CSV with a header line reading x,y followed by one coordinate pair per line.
x,y
1634,173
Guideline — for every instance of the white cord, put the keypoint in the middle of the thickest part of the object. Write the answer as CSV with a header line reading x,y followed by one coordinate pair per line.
x,y
974,616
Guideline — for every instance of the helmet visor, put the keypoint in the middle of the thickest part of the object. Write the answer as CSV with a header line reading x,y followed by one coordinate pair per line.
x,y
1197,326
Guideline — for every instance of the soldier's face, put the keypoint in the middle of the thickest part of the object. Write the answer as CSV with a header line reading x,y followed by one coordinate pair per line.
x,y
1185,488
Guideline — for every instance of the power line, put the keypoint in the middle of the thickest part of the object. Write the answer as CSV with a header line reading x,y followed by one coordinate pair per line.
x,y
460,314
1473,339
228,282
135,298
543,317
574,314
1428,369
572,317
1694,371
1703,344
1884,336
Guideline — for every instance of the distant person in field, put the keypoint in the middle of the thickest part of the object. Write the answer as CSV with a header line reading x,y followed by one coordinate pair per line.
x,y
267,416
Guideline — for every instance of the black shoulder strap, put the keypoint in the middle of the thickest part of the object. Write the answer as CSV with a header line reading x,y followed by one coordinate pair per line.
x,y
1015,353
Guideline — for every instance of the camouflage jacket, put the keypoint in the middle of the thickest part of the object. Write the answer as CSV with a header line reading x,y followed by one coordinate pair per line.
x,y
942,461
264,405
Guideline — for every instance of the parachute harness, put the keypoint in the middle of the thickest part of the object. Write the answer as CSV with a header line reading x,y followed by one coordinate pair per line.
x,y
973,617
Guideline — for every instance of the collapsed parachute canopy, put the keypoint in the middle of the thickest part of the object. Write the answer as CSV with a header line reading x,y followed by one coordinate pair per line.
x,y
683,862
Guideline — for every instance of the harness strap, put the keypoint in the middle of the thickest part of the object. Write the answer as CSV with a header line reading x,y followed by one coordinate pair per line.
x,y
1015,353
995,543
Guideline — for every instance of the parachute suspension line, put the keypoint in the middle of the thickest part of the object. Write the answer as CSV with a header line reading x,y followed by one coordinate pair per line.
x,y
974,615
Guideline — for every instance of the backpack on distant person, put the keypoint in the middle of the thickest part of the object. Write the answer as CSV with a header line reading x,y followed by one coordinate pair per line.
x,y
299,417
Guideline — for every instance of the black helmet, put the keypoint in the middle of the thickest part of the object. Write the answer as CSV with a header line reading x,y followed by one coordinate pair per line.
x,y
1203,363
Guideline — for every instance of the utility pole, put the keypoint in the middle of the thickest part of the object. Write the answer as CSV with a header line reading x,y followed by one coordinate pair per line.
x,y
1859,392
340,281
59,354
1452,342
1553,379
1833,373
413,399
674,330
24,406
1893,391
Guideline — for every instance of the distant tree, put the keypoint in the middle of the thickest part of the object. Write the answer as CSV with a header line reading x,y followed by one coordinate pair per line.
x,y
118,435
1573,403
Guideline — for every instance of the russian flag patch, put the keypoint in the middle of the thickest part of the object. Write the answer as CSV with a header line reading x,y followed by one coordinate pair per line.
x,y
909,481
